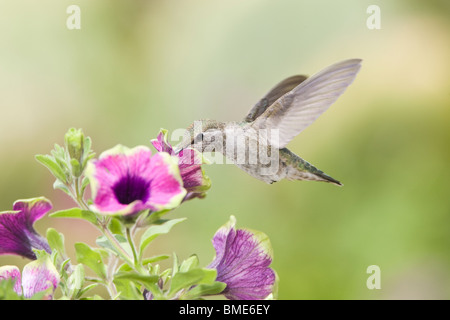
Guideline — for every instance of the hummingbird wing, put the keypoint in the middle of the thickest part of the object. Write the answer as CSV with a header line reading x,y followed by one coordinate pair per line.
x,y
298,108
276,92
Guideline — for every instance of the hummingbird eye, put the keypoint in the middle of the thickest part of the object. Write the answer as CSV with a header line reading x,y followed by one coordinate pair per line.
x,y
198,138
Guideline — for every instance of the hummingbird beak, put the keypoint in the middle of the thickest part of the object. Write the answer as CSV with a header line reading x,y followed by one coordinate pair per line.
x,y
178,148
185,143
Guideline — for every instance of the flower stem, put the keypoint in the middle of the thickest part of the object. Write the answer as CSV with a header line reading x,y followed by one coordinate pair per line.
x,y
133,248
110,277
123,254
102,225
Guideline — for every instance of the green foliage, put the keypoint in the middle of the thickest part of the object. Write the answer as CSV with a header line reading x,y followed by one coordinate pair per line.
x,y
191,282
7,290
104,242
56,241
67,163
57,168
76,213
75,282
154,231
79,150
91,258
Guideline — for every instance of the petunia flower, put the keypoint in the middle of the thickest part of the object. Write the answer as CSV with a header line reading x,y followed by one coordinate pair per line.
x,y
13,273
126,181
17,235
39,275
190,161
242,262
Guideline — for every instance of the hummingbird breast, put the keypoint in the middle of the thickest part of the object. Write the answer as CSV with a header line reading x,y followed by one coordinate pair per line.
x,y
249,151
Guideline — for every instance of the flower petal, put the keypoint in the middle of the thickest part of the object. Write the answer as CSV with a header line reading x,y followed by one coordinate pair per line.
x,y
195,181
190,161
242,262
112,176
161,144
12,272
40,275
167,187
126,181
17,235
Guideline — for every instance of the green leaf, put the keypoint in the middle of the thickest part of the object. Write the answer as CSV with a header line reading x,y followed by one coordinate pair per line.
x,y
127,290
41,254
84,184
94,297
103,242
204,290
41,294
146,280
7,290
125,267
75,213
152,232
155,259
116,226
150,282
184,280
61,186
63,265
155,217
175,265
90,258
190,263
87,145
209,275
56,241
86,289
76,280
53,166
165,275
59,153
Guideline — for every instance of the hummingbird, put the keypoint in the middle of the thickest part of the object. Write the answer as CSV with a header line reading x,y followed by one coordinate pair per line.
x,y
257,144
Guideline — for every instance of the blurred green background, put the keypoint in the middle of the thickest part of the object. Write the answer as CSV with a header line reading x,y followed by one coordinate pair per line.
x,y
137,66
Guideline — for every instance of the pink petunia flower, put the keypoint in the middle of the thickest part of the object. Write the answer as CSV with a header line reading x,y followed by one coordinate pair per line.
x,y
126,181
39,275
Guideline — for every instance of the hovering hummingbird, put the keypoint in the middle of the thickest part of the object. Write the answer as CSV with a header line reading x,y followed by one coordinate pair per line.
x,y
285,111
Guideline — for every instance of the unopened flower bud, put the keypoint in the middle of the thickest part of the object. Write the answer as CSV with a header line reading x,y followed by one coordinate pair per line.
x,y
74,139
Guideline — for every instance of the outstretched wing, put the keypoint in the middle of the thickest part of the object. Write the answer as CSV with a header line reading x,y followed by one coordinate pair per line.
x,y
298,108
281,88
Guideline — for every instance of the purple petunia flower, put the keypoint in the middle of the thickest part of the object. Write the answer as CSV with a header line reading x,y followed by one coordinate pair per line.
x,y
190,161
242,262
17,235
39,275
126,181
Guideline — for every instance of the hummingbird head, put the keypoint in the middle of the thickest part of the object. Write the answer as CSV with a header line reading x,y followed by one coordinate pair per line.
x,y
200,134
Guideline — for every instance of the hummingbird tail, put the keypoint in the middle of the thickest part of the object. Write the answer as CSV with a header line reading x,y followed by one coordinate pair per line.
x,y
302,170
313,176
329,179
